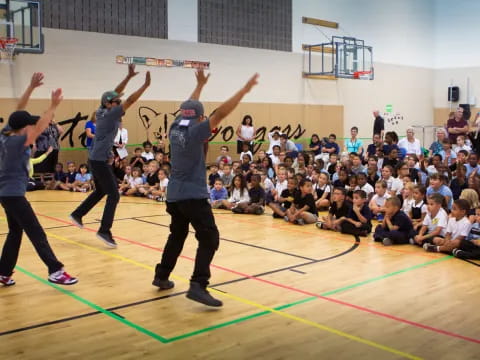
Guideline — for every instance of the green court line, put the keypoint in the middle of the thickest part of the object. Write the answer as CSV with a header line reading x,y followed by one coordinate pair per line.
x,y
282,307
94,306
227,323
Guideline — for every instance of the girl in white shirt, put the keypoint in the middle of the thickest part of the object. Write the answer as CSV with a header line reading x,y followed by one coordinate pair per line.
x,y
135,182
160,194
239,193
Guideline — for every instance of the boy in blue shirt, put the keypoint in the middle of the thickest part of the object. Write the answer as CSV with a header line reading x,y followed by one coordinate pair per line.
x,y
217,194
437,186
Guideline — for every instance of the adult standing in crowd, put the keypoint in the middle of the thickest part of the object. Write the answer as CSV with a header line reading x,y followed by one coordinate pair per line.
x,y
120,142
410,144
245,132
187,194
108,116
457,126
49,137
378,124
90,127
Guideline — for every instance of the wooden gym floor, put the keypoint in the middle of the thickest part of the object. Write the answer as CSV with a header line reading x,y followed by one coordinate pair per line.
x,y
289,292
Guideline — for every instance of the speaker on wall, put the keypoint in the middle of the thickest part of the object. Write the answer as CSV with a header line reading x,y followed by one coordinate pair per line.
x,y
453,93
466,111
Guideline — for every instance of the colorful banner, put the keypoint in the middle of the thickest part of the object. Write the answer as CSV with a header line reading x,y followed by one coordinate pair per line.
x,y
188,64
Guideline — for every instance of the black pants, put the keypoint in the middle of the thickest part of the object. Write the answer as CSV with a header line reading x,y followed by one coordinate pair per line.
x,y
20,217
47,165
349,228
105,184
472,249
397,237
199,214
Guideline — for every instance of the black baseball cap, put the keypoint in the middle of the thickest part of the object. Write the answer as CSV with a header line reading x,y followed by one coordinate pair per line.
x,y
191,109
20,119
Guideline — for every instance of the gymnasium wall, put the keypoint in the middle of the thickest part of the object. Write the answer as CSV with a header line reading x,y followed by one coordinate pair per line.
x,y
456,55
83,63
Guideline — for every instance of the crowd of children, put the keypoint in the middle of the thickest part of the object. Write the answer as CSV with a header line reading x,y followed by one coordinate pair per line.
x,y
429,200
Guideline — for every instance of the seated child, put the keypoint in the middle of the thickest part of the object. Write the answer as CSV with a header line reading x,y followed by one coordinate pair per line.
x,y
83,180
396,227
472,198
147,153
358,220
213,176
365,186
437,185
267,185
59,177
303,210
151,180
124,185
137,159
280,185
69,184
227,177
435,222
160,192
135,182
239,193
338,211
470,247
284,201
419,208
257,199
377,204
323,191
217,194
458,228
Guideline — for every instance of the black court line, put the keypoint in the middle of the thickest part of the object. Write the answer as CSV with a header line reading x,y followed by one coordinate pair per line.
x,y
298,271
472,262
141,302
237,242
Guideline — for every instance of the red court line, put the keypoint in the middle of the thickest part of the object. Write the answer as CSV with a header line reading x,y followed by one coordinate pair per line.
x,y
340,302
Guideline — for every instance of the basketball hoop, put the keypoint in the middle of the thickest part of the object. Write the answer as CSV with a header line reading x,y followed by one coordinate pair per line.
x,y
7,49
362,75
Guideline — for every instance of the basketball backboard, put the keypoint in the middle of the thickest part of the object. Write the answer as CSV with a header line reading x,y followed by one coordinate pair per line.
x,y
342,57
21,19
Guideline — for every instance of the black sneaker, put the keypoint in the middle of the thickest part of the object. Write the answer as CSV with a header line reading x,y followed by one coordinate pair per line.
x,y
237,210
200,294
163,284
460,254
77,220
107,239
430,247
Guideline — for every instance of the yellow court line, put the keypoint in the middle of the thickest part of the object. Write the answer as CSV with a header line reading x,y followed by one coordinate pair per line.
x,y
249,302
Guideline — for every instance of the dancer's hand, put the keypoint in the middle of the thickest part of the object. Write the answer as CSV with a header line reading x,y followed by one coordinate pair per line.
x,y
131,71
37,80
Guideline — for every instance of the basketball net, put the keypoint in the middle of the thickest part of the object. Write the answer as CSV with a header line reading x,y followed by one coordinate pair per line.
x,y
7,49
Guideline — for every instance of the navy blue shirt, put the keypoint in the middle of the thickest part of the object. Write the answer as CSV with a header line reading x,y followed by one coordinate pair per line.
x,y
330,145
188,179
257,195
60,176
14,162
403,222
365,211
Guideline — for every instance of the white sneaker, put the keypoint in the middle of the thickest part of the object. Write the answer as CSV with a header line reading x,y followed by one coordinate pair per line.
x,y
61,277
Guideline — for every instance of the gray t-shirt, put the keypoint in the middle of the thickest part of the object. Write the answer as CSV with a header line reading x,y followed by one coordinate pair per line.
x,y
108,121
188,177
14,162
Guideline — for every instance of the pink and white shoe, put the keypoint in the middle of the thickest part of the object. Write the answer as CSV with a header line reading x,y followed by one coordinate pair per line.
x,y
6,280
61,277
